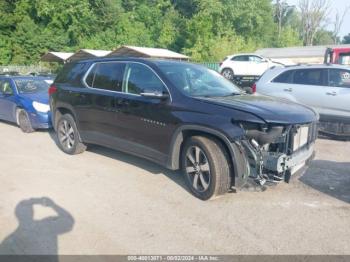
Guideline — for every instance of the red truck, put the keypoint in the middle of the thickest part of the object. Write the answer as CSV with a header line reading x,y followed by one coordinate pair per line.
x,y
337,55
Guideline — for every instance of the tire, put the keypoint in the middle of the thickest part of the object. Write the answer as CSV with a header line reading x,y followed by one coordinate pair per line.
x,y
24,121
68,138
207,171
227,73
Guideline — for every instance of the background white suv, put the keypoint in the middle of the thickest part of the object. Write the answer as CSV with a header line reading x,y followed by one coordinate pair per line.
x,y
326,88
245,65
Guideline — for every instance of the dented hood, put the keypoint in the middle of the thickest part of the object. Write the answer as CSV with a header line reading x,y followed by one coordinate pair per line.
x,y
270,109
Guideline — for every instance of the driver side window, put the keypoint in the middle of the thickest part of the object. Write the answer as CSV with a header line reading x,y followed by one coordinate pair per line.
x,y
141,79
339,78
255,59
5,87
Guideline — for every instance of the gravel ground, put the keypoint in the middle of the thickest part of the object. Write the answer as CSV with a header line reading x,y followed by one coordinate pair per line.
x,y
106,202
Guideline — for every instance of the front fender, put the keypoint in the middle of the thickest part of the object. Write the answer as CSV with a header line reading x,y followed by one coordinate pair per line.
x,y
230,138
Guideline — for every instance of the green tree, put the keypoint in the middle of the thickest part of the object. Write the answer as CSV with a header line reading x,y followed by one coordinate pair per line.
x,y
323,37
203,29
346,39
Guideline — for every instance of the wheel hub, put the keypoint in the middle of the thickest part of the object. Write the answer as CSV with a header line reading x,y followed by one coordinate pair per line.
x,y
197,169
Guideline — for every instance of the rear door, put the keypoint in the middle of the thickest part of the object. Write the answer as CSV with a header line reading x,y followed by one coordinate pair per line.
x,y
95,105
240,65
279,86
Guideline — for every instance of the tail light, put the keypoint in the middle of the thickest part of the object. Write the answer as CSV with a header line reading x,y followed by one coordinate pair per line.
x,y
52,90
254,88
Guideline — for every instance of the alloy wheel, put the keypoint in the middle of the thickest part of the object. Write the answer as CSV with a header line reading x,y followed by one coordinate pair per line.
x,y
227,73
66,135
198,169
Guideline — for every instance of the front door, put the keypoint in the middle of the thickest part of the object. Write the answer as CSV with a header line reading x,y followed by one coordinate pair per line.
x,y
338,95
7,103
145,123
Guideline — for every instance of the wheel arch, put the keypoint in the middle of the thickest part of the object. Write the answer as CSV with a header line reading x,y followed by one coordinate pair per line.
x,y
229,68
60,111
237,163
16,111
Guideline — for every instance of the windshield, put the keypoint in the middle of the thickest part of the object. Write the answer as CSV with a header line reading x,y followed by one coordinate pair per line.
x,y
29,86
195,80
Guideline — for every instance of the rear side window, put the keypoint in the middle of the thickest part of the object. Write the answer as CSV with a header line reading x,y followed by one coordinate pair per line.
x,y
241,58
286,77
72,74
106,76
310,77
339,78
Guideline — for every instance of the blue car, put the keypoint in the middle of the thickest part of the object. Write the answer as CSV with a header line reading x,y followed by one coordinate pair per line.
x,y
24,100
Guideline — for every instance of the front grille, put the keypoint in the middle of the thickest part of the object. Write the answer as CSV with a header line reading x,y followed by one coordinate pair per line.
x,y
303,135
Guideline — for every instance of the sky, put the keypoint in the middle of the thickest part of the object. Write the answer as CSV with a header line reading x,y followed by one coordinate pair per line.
x,y
335,5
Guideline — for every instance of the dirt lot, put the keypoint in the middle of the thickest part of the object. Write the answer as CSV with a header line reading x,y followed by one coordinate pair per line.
x,y
107,202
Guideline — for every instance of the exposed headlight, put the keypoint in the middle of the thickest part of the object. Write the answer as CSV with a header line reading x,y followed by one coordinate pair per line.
x,y
43,108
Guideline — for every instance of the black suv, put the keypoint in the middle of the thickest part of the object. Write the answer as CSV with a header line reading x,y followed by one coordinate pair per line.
x,y
182,115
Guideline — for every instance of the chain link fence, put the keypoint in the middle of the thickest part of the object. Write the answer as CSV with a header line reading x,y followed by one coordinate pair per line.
x,y
212,65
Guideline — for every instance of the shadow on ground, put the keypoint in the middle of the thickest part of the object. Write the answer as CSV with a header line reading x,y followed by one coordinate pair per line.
x,y
142,163
149,166
37,237
329,177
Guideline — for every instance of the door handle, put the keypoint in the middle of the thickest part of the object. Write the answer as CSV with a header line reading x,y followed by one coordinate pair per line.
x,y
288,89
333,93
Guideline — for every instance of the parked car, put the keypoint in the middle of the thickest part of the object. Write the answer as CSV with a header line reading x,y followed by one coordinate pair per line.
x,y
24,100
326,88
181,115
243,65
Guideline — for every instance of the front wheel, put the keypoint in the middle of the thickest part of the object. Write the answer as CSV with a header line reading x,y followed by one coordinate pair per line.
x,y
205,164
68,137
24,121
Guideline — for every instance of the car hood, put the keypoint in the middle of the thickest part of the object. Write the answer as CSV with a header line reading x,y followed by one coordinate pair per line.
x,y
270,109
42,97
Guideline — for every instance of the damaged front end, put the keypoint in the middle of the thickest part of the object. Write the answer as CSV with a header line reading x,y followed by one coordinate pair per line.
x,y
275,152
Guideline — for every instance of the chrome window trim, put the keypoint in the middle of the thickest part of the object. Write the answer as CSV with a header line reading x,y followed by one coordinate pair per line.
x,y
118,92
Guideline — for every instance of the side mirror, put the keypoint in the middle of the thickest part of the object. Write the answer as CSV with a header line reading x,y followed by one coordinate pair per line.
x,y
162,96
7,93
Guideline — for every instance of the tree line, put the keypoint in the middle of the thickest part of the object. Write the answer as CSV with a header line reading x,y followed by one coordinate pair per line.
x,y
206,30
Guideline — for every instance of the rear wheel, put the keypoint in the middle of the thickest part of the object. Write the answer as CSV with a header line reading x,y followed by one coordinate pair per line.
x,y
228,73
24,121
68,136
206,167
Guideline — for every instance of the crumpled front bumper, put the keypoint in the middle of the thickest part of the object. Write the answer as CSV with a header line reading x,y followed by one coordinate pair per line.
x,y
40,120
280,162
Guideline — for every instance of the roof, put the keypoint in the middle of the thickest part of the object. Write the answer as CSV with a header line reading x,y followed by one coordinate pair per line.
x,y
135,51
311,66
25,77
56,57
301,51
88,53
